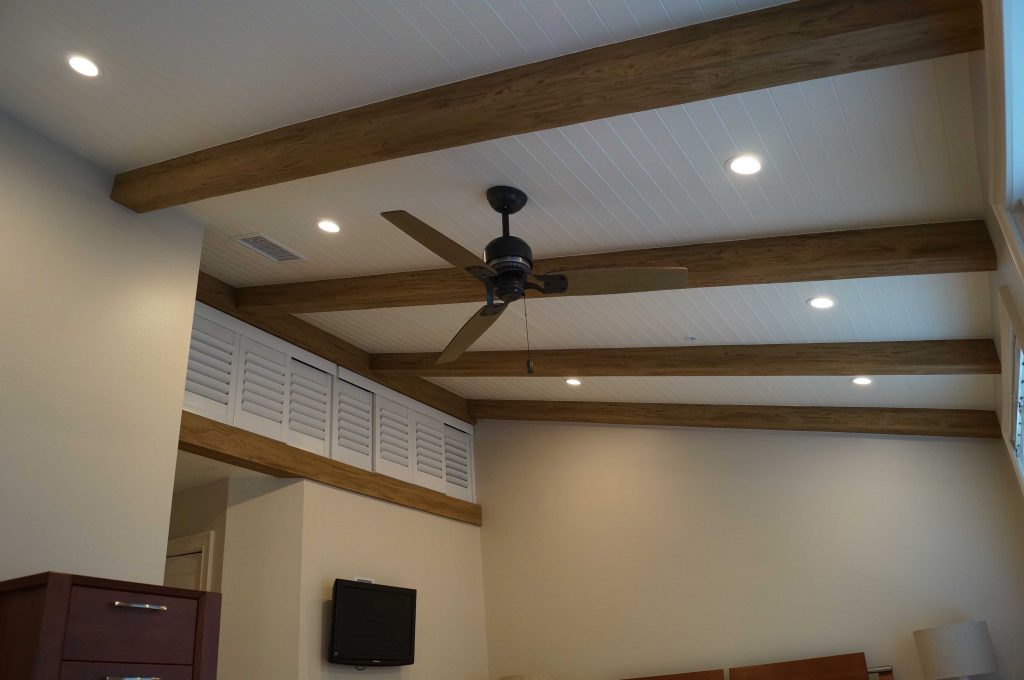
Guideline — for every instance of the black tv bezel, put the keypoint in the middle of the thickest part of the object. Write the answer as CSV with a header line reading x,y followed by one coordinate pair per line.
x,y
332,654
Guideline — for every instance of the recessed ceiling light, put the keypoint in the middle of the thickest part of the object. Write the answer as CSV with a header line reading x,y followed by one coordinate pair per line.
x,y
821,302
861,380
745,164
575,382
330,226
83,65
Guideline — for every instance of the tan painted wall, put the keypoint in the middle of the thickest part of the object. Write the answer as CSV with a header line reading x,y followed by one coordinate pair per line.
x,y
347,536
95,312
259,631
199,510
612,552
284,547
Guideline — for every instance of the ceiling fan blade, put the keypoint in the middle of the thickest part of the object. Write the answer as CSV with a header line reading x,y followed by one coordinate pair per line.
x,y
471,332
435,241
621,280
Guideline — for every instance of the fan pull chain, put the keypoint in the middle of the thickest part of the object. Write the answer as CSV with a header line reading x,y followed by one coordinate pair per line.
x,y
526,319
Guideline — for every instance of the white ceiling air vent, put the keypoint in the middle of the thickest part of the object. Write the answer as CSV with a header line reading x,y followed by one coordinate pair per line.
x,y
268,247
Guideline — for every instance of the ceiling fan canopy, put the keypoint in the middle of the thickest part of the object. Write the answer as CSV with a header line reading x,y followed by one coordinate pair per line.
x,y
507,272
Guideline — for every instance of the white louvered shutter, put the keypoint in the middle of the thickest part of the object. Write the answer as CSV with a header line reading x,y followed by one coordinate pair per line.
x,y
212,359
458,463
428,451
393,441
260,405
353,425
309,407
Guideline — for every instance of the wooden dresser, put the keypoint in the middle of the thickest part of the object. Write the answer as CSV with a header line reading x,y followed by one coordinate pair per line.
x,y
64,627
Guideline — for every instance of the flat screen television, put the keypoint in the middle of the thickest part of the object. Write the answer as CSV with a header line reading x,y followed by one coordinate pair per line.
x,y
372,625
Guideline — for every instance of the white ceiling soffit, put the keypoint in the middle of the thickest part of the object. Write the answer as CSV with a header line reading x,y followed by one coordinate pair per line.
x,y
879,309
907,391
181,76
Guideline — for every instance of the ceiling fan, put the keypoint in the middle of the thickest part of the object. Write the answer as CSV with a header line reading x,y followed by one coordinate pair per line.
x,y
507,272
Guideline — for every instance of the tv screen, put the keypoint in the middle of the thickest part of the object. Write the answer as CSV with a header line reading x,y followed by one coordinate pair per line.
x,y
372,625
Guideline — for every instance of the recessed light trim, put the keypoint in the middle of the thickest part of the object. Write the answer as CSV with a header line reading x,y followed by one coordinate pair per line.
x,y
574,382
745,164
861,380
83,66
330,226
821,302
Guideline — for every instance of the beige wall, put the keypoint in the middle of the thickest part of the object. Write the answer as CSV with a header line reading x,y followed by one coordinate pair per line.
x,y
612,552
199,510
284,547
95,312
348,536
259,631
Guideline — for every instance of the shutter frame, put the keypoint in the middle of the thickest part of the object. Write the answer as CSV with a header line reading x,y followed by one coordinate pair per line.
x,y
459,468
428,451
308,422
392,446
353,425
210,377
261,405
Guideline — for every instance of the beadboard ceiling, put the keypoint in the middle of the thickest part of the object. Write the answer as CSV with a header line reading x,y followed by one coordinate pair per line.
x,y
883,147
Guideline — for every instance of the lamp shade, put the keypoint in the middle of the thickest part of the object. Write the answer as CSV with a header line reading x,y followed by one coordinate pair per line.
x,y
959,650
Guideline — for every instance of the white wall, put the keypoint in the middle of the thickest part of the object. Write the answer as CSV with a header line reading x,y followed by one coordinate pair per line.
x,y
95,312
613,552
287,543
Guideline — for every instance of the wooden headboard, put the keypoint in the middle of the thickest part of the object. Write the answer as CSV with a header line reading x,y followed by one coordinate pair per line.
x,y
839,667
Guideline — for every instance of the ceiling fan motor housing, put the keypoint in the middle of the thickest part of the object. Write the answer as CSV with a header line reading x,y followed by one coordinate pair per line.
x,y
512,258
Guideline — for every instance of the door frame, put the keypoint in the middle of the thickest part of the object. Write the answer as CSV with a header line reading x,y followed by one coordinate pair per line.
x,y
202,543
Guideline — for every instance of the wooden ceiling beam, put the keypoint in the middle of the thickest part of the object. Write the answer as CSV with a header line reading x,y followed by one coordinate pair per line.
x,y
888,421
790,43
928,357
220,295
858,253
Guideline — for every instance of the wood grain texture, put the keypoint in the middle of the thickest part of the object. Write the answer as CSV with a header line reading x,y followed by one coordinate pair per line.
x,y
786,44
928,357
220,295
940,248
698,675
839,667
891,421
228,444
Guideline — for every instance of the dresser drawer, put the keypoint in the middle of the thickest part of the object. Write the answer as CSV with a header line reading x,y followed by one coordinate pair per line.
x,y
77,670
111,625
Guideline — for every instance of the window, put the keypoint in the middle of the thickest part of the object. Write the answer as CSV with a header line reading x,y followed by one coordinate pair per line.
x,y
1018,407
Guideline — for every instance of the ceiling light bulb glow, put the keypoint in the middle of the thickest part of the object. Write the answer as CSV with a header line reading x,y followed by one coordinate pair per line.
x,y
821,302
575,382
83,65
861,380
745,164
330,226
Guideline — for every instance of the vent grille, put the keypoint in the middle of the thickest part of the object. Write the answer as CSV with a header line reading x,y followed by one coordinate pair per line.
x,y
268,247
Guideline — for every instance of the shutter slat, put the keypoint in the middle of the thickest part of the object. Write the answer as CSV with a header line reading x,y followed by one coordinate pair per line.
x,y
211,368
353,424
458,463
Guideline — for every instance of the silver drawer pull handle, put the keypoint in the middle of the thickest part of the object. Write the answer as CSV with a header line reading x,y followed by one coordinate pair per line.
x,y
141,605
111,677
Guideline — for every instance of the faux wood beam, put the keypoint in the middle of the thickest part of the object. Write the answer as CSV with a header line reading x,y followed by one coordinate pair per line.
x,y
858,253
891,421
220,295
928,357
229,444
790,43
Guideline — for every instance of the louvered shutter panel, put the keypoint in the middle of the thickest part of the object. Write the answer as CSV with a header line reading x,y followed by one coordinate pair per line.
x,y
209,380
353,425
458,463
260,405
393,441
309,407
428,451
